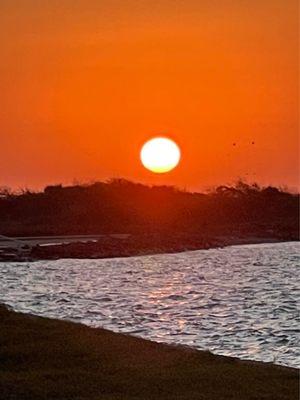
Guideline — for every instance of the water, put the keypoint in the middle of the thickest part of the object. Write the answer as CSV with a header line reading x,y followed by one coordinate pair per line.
x,y
239,301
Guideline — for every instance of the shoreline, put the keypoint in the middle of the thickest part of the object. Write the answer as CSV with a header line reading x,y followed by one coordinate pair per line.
x,y
133,246
44,358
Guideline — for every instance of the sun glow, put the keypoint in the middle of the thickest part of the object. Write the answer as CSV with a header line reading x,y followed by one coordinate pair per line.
x,y
160,155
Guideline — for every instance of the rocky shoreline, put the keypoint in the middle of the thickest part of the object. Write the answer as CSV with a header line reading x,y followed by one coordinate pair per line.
x,y
133,245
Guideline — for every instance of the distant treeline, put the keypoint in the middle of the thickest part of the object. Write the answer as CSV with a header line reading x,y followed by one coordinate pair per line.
x,y
121,206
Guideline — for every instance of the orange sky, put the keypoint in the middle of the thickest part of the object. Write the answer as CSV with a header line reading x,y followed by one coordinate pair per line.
x,y
85,82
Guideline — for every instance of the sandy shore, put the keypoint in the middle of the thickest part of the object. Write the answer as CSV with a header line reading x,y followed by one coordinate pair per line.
x,y
49,359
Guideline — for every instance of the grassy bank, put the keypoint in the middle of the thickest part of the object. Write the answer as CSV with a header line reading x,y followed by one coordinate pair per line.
x,y
49,359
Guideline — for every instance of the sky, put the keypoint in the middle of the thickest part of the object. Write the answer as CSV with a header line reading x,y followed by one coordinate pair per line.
x,y
84,83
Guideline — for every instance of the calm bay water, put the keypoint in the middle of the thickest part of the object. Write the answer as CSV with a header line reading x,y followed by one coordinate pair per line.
x,y
241,301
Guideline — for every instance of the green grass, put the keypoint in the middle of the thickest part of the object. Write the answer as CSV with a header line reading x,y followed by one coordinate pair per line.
x,y
49,359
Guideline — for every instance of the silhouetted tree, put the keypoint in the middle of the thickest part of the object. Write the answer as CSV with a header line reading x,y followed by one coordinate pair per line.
x,y
119,205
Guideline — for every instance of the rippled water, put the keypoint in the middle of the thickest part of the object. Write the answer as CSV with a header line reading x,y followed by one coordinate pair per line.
x,y
239,301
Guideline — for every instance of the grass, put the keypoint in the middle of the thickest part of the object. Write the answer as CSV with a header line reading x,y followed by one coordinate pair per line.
x,y
42,358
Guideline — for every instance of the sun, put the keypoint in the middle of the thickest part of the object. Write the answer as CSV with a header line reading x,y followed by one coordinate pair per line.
x,y
160,155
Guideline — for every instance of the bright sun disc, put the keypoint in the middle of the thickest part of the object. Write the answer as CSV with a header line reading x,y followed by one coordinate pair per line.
x,y
160,155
